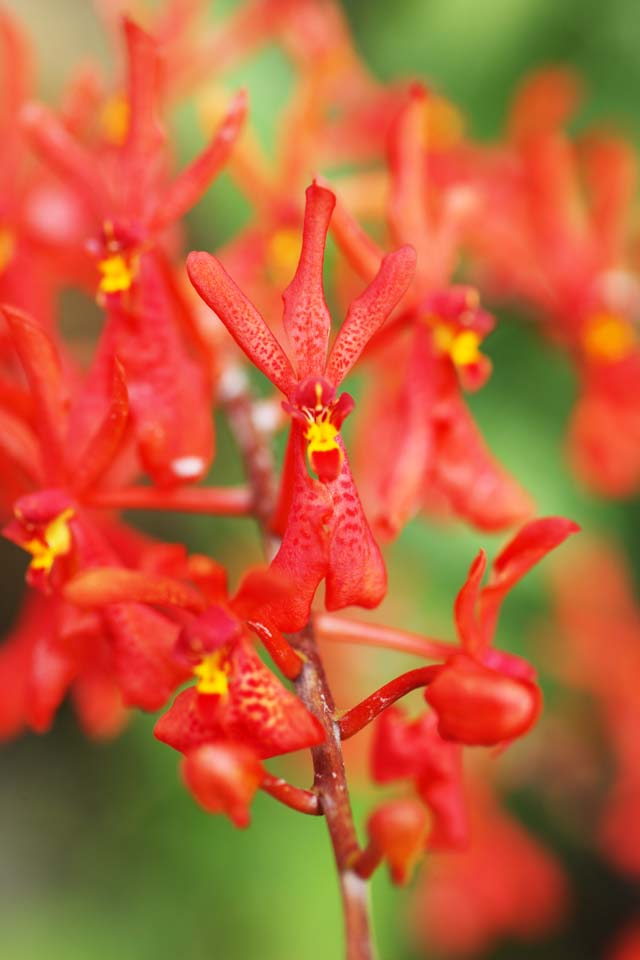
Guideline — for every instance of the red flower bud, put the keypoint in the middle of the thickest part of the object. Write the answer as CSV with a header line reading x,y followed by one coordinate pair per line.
x,y
399,830
223,778
479,706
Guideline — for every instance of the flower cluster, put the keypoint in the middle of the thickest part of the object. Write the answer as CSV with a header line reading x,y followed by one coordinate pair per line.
x,y
91,198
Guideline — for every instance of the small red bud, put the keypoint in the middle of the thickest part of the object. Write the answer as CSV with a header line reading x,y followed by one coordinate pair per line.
x,y
223,778
399,830
479,706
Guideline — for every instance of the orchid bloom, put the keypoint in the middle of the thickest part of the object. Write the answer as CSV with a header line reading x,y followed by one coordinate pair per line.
x,y
483,696
326,532
440,460
131,204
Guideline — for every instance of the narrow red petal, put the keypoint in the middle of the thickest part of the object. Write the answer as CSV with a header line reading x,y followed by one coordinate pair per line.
x,y
191,184
466,606
74,164
98,455
408,203
105,585
306,317
303,557
241,319
367,314
475,485
530,545
356,573
41,364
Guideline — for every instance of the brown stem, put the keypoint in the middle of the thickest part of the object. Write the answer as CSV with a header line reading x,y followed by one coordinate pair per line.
x,y
330,783
304,801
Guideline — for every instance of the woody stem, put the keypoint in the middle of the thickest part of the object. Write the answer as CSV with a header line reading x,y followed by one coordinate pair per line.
x,y
363,713
330,783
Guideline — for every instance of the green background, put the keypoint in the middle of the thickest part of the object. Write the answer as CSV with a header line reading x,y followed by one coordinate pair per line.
x,y
103,856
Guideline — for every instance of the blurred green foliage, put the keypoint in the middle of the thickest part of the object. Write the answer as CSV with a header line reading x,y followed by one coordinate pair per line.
x,y
104,855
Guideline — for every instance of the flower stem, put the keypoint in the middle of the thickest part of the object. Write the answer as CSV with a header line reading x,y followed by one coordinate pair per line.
x,y
227,501
328,626
304,801
330,783
363,713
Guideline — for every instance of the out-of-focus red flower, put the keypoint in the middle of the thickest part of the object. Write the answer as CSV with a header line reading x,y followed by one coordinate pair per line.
x,y
404,749
599,622
555,232
398,830
326,534
503,885
429,351
131,206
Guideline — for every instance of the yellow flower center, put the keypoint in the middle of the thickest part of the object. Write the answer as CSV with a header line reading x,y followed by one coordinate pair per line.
x,y
213,674
118,273
283,250
7,246
321,436
463,347
443,125
608,337
55,543
115,119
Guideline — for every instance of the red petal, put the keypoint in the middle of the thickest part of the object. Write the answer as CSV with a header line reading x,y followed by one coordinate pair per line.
x,y
98,703
466,606
369,311
527,548
356,573
258,588
71,161
97,456
399,829
191,184
262,713
303,557
184,726
104,585
476,486
223,778
306,318
241,319
480,707
363,254
169,391
395,443
408,203
144,135
143,642
41,364
544,102
19,445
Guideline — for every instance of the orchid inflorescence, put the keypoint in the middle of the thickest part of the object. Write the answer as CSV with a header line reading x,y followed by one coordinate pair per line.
x,y
118,621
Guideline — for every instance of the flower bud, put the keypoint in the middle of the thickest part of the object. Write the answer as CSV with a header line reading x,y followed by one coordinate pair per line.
x,y
223,778
399,830
479,706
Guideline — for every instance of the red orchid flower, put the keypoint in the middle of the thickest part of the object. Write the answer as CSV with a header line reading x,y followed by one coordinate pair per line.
x,y
130,205
236,698
560,237
404,749
440,461
326,533
503,885
483,696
